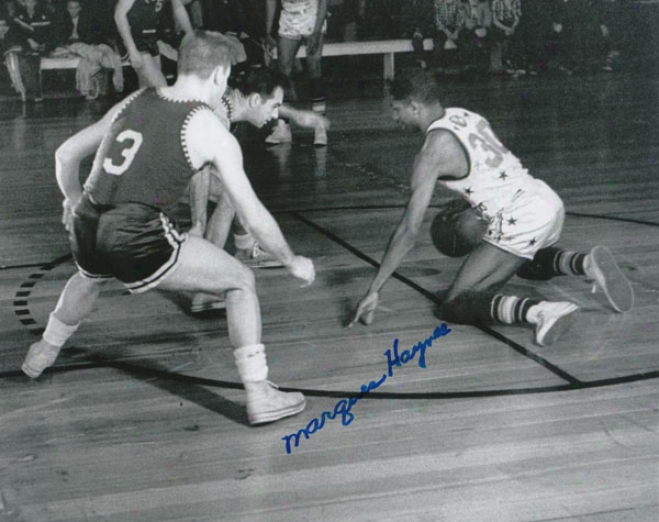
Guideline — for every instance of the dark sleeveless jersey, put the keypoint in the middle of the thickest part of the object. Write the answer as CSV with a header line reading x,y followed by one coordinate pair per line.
x,y
144,17
143,158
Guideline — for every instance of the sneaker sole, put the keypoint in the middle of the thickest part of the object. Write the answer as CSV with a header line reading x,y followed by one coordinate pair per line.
x,y
272,416
557,329
613,282
31,372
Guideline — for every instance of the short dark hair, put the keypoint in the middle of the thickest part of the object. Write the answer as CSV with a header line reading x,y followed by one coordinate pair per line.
x,y
201,52
419,86
259,80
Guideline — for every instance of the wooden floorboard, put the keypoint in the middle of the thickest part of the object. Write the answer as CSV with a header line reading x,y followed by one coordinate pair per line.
x,y
142,419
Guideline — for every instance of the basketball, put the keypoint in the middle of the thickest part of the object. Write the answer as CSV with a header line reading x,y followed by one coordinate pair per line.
x,y
457,229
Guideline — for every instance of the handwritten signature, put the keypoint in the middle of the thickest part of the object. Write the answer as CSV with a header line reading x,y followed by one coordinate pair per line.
x,y
344,406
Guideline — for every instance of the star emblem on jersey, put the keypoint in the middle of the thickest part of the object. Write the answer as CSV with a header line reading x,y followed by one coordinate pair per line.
x,y
512,221
503,175
468,191
533,242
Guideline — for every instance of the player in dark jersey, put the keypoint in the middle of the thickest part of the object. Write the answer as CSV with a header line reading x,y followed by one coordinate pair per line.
x,y
138,22
256,99
147,149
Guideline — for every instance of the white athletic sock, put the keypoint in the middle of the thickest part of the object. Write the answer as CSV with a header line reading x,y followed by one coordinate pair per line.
x,y
251,363
244,241
56,332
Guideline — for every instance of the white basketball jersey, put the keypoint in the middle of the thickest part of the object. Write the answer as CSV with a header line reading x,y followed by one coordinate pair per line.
x,y
496,176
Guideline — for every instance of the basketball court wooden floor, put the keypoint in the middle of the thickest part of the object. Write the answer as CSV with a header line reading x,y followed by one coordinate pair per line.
x,y
143,419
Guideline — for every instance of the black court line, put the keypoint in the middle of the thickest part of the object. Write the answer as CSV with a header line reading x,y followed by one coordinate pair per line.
x,y
97,362
353,208
574,384
402,206
429,295
46,265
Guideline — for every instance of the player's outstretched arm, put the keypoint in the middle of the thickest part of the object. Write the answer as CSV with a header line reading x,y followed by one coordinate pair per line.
x,y
306,119
181,16
428,165
208,141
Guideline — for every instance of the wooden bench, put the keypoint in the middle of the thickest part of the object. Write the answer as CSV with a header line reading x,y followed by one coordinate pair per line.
x,y
388,48
52,63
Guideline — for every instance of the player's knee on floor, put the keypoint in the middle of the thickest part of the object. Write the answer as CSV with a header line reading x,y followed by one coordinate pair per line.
x,y
466,307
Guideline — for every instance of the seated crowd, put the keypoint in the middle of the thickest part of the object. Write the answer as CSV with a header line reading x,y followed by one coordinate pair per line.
x,y
510,37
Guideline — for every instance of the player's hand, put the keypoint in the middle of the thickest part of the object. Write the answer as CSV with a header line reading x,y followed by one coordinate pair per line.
x,y
311,120
312,43
270,44
67,215
136,59
302,268
366,309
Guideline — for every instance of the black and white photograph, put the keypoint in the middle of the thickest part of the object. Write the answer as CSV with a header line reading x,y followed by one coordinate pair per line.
x,y
329,261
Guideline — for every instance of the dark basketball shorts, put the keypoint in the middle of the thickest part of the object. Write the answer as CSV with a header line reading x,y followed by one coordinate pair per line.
x,y
133,243
147,42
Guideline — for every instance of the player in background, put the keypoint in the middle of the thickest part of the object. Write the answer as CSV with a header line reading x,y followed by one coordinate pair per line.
x,y
300,22
525,220
138,23
146,150
256,99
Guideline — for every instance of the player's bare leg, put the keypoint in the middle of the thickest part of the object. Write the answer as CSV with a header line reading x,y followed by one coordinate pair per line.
x,y
150,74
473,297
204,267
287,48
317,90
75,304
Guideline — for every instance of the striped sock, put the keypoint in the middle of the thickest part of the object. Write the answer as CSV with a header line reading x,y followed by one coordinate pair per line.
x,y
569,263
510,309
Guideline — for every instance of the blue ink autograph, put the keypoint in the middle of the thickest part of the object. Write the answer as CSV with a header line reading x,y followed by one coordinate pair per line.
x,y
343,407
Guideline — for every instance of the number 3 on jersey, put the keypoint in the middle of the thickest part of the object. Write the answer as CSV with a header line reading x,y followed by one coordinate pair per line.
x,y
135,142
489,144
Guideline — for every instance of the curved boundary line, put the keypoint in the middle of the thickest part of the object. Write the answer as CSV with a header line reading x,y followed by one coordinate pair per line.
x,y
20,303
311,392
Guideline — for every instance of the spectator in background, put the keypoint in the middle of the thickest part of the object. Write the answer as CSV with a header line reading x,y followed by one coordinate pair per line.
x,y
381,19
36,25
449,37
507,51
139,23
8,41
417,24
300,22
478,37
535,33
593,46
563,34
34,28
351,15
76,25
80,35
